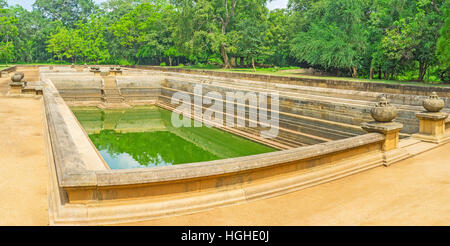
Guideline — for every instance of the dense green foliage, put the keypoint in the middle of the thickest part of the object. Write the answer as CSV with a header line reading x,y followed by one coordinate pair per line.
x,y
385,39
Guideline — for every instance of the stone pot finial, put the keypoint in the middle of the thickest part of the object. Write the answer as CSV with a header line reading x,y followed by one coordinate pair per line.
x,y
433,103
383,111
17,77
118,68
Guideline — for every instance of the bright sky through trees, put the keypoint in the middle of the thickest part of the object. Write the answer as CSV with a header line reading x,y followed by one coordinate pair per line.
x,y
27,3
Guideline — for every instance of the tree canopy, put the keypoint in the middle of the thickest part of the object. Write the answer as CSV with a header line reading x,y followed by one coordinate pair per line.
x,y
386,39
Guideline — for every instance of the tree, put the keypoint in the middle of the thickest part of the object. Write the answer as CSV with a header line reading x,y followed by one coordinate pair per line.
x,y
278,37
66,43
443,47
145,30
196,34
335,37
68,12
425,27
251,31
92,41
7,31
225,13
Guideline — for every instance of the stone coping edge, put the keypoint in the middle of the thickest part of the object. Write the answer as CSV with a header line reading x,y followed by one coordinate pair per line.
x,y
9,69
232,165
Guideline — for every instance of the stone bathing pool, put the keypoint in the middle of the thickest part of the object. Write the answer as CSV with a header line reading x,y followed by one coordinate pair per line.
x,y
107,169
145,137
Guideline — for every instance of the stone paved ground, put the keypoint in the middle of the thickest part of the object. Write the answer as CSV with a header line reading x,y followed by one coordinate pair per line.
x,y
415,191
23,164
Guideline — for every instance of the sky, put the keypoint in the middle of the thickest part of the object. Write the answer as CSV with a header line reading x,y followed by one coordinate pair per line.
x,y
27,3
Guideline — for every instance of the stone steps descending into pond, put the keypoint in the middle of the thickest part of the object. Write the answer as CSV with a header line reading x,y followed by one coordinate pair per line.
x,y
111,94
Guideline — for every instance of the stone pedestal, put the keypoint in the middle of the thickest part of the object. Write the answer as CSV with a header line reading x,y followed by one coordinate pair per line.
x,y
432,127
96,72
15,88
115,73
389,129
391,152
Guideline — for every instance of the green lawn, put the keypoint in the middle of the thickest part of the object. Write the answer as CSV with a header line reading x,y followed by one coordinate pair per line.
x,y
293,72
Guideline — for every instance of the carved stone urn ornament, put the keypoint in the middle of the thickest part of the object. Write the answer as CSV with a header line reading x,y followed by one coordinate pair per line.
x,y
433,103
383,111
17,77
118,68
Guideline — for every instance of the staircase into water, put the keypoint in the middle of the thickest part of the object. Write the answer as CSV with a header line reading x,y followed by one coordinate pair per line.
x,y
111,94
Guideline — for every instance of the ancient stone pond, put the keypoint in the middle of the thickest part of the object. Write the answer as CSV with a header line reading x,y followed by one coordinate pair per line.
x,y
116,156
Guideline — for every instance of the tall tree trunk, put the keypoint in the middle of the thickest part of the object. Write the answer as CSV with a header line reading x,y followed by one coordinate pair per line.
x,y
253,64
354,72
170,61
422,70
241,61
371,73
233,61
226,62
229,14
379,74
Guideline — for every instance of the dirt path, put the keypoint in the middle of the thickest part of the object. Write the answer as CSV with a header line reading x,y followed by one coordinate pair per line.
x,y
23,163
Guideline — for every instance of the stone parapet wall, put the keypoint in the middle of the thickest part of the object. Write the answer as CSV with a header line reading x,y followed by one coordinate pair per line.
x,y
141,194
73,152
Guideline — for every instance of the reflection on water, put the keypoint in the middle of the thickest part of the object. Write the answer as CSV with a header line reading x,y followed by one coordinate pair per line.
x,y
145,137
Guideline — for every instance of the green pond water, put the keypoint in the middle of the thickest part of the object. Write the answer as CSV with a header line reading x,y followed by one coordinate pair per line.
x,y
144,137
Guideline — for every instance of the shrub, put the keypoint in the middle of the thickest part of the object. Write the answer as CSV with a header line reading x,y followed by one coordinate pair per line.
x,y
163,64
